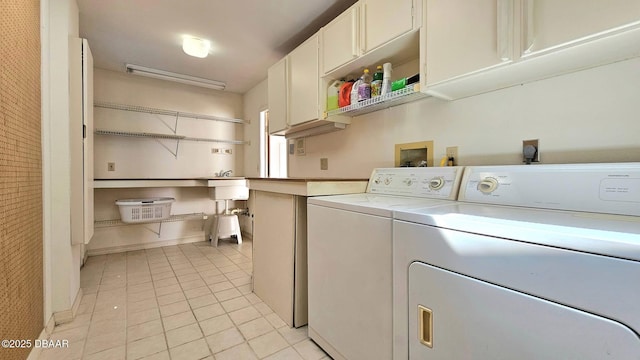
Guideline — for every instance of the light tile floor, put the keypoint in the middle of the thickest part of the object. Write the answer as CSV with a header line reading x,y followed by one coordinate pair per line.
x,y
183,302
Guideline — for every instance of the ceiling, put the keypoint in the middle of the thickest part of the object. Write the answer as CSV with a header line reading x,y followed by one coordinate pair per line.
x,y
247,36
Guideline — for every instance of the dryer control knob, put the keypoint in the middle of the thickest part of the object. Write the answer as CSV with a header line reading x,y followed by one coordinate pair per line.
x,y
387,181
488,185
436,183
408,181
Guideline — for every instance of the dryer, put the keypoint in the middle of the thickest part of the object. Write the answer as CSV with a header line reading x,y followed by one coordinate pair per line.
x,y
533,262
350,261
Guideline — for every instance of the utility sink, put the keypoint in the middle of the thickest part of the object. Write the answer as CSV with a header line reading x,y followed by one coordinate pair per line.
x,y
228,188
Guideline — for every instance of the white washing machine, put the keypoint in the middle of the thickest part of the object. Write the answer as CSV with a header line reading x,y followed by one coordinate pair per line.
x,y
533,262
350,260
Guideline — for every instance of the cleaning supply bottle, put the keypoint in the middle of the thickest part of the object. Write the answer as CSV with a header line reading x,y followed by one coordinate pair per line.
x,y
386,79
354,91
376,84
364,88
332,94
344,97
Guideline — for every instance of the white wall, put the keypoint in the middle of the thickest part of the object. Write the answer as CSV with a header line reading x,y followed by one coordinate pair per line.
x,y
61,260
586,116
255,101
146,158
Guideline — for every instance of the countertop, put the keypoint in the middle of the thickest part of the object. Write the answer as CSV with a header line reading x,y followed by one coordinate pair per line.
x,y
150,183
293,186
308,186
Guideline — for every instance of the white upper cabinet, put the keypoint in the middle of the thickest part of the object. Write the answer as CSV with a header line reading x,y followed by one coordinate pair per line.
x,y
471,47
384,20
277,97
364,35
462,37
552,23
304,79
340,41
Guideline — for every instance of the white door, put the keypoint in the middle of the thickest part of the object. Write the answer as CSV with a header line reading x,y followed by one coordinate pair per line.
x,y
465,36
340,39
384,20
304,80
452,316
552,23
87,149
277,96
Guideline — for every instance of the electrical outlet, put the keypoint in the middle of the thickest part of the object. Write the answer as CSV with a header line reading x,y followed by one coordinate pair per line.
x,y
300,148
324,164
228,151
536,155
111,166
215,150
452,153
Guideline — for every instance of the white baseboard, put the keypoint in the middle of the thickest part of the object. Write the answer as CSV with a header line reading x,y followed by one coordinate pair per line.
x,y
65,316
45,334
155,244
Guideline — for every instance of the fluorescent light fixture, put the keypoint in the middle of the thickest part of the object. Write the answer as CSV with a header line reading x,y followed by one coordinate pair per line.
x,y
195,46
170,76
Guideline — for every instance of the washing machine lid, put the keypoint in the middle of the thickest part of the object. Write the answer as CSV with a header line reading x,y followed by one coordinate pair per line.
x,y
611,235
374,204
391,189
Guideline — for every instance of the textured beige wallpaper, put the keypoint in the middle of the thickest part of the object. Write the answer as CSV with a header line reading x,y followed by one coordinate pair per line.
x,y
21,293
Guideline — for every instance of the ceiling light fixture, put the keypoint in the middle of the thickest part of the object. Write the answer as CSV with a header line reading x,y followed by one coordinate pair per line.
x,y
195,46
170,76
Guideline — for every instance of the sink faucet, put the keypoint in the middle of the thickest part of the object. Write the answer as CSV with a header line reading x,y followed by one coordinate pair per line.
x,y
223,173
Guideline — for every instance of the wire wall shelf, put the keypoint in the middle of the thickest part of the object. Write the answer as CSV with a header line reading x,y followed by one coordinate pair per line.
x,y
173,218
156,111
158,137
402,96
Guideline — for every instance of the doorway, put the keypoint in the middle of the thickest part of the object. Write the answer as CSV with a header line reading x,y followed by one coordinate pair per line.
x,y
273,151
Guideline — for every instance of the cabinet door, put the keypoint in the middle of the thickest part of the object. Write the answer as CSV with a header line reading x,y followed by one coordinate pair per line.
x,y
87,148
384,20
304,82
277,96
465,36
273,251
340,40
552,23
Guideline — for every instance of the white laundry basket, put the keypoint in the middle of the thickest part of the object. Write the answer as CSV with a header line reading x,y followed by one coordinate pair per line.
x,y
144,210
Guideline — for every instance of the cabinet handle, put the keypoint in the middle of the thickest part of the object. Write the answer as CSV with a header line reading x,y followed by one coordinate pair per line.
x,y
529,35
354,32
504,29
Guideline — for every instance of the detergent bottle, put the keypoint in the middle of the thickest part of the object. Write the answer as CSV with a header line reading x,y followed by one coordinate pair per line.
x,y
333,91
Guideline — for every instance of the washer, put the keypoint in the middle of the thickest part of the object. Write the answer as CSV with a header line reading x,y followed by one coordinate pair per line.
x,y
349,258
533,262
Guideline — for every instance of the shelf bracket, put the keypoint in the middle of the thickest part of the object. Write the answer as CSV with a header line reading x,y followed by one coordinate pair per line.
x,y
174,153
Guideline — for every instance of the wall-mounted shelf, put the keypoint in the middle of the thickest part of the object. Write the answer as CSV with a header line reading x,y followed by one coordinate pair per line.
x,y
173,113
402,96
174,127
156,137
173,218
166,136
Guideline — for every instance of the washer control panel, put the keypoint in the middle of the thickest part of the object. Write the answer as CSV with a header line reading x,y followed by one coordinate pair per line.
x,y
441,182
601,188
